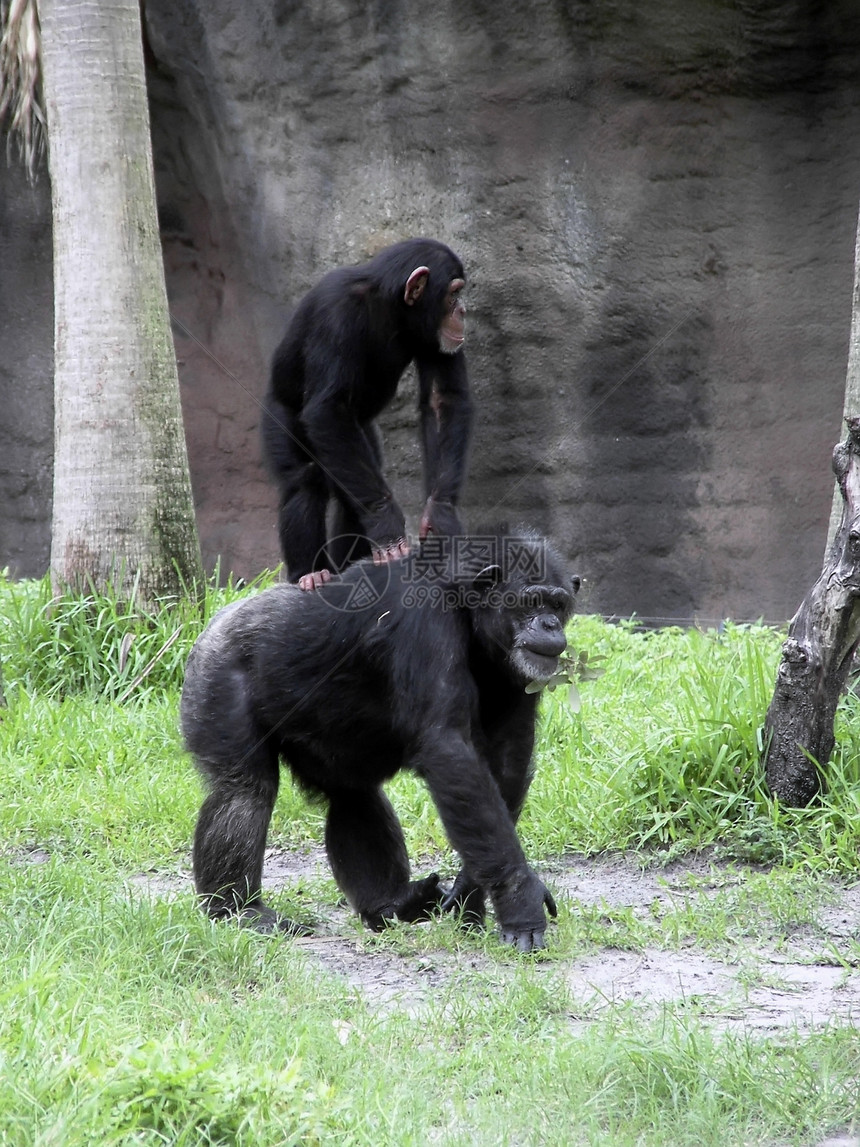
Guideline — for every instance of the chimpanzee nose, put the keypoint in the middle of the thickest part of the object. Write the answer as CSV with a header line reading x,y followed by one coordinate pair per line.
x,y
549,640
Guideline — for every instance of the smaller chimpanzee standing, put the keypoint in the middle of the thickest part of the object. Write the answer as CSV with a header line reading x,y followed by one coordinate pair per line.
x,y
346,347
425,669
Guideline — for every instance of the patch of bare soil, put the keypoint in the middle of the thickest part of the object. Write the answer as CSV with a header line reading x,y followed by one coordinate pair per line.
x,y
795,980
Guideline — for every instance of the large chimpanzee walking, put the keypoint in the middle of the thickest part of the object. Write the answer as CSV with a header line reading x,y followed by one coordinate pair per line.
x,y
419,664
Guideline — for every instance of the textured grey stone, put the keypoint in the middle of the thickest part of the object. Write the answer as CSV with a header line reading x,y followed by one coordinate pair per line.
x,y
656,206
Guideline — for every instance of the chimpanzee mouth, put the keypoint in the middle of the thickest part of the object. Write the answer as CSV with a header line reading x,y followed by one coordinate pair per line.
x,y
450,344
535,666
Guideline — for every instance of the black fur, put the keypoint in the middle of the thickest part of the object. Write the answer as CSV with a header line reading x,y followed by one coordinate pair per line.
x,y
346,347
407,665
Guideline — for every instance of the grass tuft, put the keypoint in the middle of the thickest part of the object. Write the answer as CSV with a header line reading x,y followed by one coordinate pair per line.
x,y
101,645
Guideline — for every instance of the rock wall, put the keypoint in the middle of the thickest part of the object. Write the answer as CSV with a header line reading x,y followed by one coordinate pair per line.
x,y
26,372
656,206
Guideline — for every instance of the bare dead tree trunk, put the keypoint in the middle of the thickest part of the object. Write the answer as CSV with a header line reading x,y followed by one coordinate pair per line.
x,y
819,650
851,404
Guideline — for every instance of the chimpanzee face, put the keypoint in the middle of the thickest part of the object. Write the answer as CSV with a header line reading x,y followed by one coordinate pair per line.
x,y
538,631
522,623
441,312
452,329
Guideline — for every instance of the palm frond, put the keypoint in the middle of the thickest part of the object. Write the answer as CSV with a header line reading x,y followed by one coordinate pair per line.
x,y
21,110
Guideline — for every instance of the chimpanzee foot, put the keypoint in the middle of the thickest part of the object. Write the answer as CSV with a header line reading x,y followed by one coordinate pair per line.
x,y
423,897
466,900
266,920
313,581
418,902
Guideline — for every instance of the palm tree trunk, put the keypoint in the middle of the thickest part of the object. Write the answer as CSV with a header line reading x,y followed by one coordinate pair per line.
x,y
122,493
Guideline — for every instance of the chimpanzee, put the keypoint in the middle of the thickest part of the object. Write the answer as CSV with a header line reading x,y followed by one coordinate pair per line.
x,y
420,664
347,345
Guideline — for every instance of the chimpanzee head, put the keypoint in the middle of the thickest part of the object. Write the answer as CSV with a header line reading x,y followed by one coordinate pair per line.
x,y
526,598
449,323
430,285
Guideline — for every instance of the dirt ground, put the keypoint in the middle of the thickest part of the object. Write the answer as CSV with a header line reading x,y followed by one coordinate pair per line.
x,y
798,980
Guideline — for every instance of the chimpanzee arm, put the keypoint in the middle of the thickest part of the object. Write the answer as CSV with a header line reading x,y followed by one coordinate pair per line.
x,y
346,453
511,746
446,424
509,756
480,827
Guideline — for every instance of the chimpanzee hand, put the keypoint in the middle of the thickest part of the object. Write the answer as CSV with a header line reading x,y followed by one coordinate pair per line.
x,y
386,529
440,518
523,923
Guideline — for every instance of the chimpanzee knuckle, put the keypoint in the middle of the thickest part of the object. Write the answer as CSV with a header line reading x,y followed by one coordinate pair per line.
x,y
527,919
524,940
524,928
521,907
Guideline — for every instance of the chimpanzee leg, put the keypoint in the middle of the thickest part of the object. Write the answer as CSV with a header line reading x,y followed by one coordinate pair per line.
x,y
303,490
230,839
348,542
301,522
367,854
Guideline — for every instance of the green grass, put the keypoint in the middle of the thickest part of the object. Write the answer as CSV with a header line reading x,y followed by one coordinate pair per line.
x,y
665,754
130,1019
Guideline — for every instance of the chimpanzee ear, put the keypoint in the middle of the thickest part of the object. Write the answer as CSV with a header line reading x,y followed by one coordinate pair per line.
x,y
487,578
415,285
